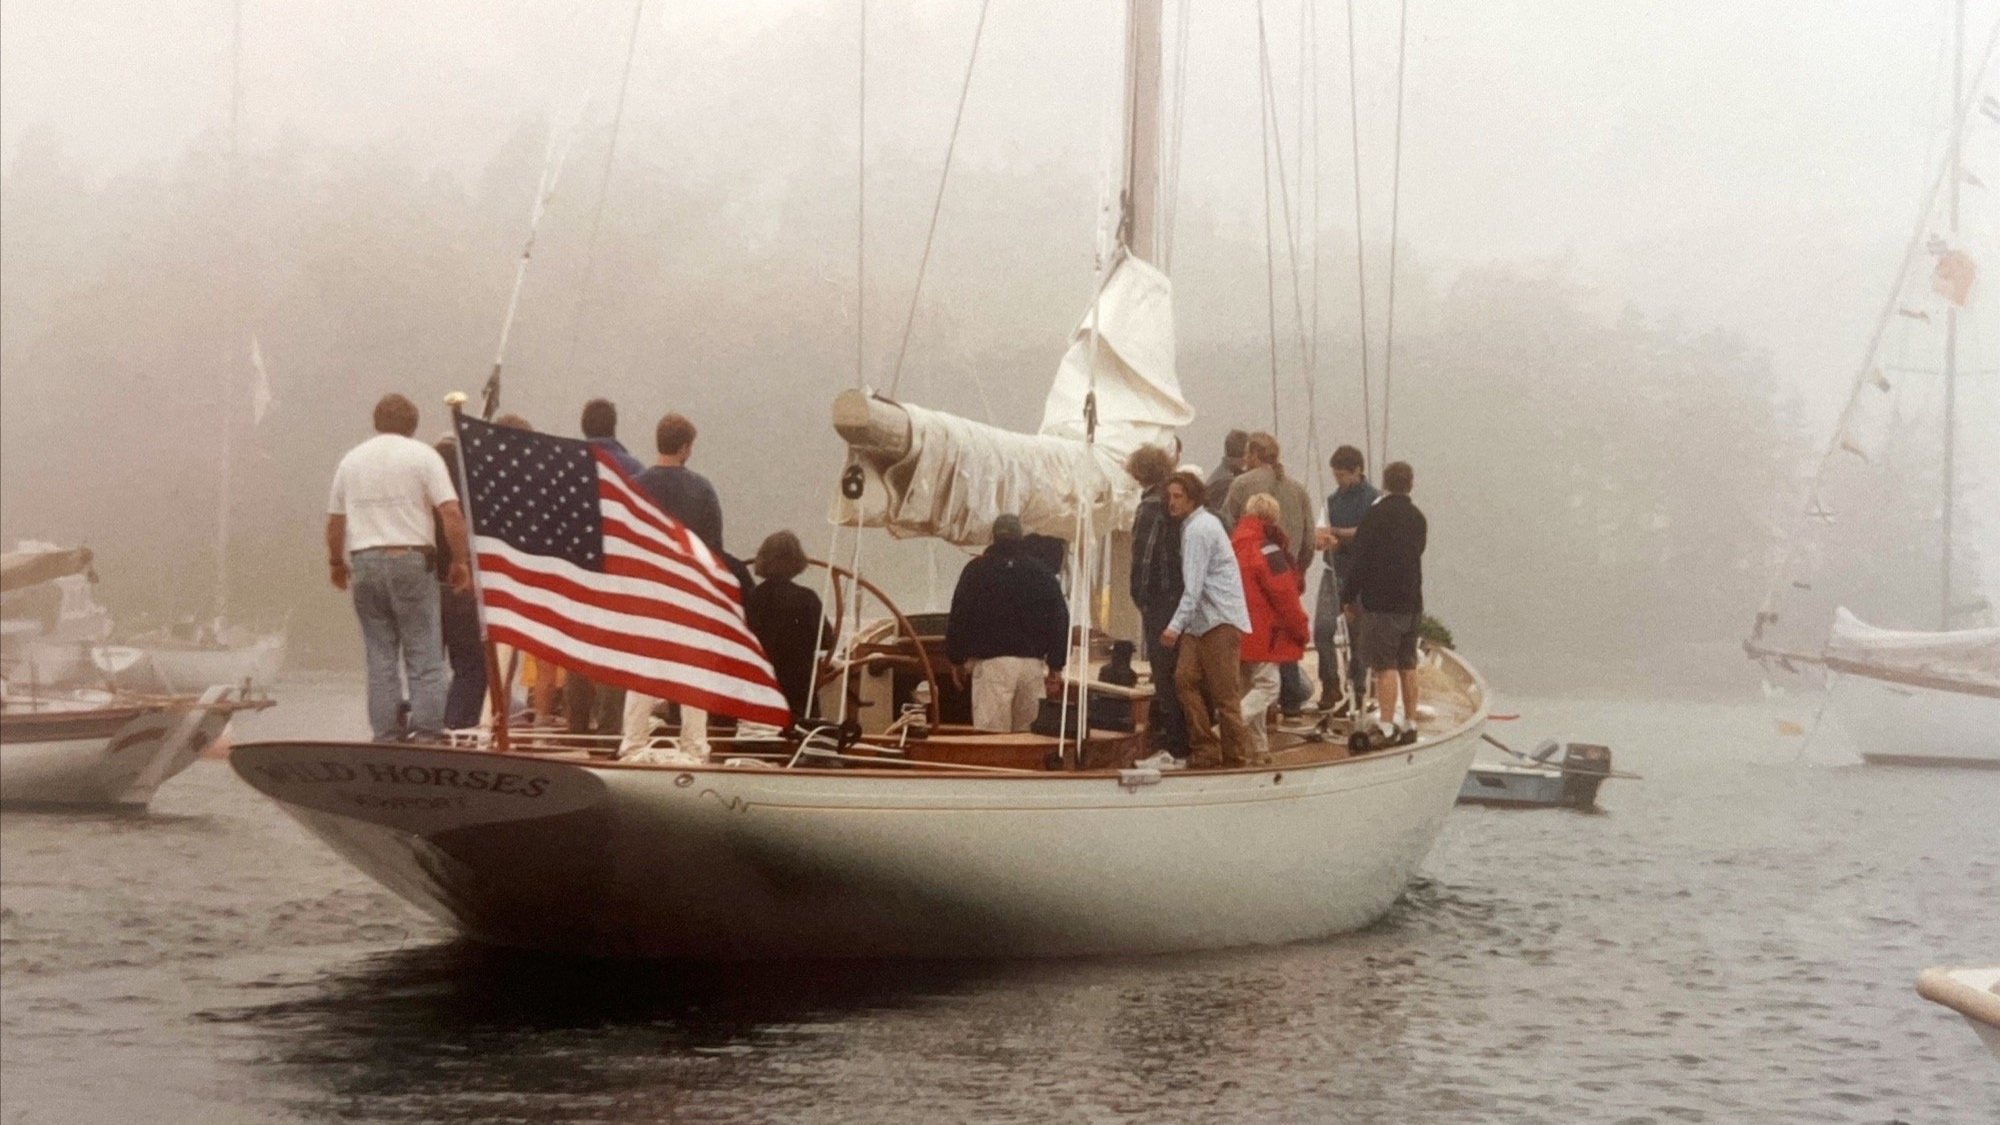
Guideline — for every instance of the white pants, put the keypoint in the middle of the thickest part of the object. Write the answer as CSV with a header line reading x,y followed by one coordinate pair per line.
x,y
1260,689
638,728
1007,692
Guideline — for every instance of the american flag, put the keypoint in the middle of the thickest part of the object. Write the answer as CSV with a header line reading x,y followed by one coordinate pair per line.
x,y
577,565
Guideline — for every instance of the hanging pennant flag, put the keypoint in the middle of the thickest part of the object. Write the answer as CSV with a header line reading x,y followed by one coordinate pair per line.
x,y
1954,277
1878,380
260,391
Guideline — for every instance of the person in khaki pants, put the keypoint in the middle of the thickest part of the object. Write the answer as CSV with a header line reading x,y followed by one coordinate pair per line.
x,y
1208,627
1010,626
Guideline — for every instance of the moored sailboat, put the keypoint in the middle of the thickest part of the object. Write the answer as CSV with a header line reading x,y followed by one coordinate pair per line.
x,y
881,830
1928,691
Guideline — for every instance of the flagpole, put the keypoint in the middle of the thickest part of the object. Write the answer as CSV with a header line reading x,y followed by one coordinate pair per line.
x,y
496,691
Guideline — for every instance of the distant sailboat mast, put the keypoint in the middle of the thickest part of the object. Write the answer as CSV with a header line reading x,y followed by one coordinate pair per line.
x,y
235,314
1953,176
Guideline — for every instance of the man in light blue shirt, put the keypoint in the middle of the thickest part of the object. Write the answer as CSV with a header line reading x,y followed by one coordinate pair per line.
x,y
1208,627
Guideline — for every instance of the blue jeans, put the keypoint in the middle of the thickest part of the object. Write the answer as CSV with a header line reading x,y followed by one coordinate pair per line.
x,y
467,697
396,600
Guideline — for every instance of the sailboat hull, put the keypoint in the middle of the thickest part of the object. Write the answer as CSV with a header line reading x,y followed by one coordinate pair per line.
x,y
114,757
258,660
1892,723
731,863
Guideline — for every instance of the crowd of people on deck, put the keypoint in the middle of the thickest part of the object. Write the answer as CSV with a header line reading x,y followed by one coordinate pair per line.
x,y
1222,609
1217,575
1218,567
396,540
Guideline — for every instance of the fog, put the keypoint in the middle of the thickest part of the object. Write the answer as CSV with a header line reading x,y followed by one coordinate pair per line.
x,y
1642,247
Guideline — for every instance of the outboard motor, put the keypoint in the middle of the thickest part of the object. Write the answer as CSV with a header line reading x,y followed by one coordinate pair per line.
x,y
1584,766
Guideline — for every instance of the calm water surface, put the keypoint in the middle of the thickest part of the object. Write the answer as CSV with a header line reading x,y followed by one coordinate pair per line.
x,y
1732,940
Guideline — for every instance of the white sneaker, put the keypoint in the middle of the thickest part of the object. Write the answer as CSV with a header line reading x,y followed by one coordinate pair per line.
x,y
1161,760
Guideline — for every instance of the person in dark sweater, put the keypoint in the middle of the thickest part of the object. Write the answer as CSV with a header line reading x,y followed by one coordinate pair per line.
x,y
787,618
688,497
1384,590
1009,624
1156,590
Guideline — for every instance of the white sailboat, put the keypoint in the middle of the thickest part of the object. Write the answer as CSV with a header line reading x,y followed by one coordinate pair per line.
x,y
196,654
918,839
1927,692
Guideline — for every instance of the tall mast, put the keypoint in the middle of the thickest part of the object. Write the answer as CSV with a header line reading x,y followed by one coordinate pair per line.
x,y
226,415
1141,194
1953,175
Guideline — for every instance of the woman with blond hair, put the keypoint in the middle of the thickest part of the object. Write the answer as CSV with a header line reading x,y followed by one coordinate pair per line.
x,y
1279,631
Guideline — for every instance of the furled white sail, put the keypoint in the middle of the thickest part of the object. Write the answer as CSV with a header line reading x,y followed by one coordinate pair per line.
x,y
956,475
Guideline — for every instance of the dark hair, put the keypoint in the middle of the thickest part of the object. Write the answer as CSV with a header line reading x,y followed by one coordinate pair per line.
x,y
1398,477
1266,447
1235,443
673,434
780,556
1197,492
600,419
395,414
1347,458
514,422
1149,465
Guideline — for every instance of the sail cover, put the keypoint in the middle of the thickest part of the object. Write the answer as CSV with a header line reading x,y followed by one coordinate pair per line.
x,y
958,475
36,563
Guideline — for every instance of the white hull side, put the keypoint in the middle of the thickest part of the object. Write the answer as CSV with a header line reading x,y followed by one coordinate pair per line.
x,y
192,669
744,863
1973,994
122,768
1894,723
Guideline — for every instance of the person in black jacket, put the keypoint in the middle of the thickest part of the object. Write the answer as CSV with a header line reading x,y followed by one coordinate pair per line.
x,y
1385,591
1156,590
787,618
1010,626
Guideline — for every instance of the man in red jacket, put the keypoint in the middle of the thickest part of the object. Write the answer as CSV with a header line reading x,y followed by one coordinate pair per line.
x,y
1278,627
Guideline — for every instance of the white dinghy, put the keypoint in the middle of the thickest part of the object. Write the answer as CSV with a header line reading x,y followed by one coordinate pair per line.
x,y
1972,993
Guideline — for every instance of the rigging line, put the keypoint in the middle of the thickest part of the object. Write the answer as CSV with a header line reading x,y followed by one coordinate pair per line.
x,y
603,191
1275,136
1360,243
937,204
1270,250
1395,206
861,209
1312,336
1925,211
554,157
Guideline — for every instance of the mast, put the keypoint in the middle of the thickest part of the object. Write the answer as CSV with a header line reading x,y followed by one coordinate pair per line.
x,y
1141,190
226,415
1953,175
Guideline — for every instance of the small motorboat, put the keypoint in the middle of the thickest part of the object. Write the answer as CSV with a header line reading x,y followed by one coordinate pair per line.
x,y
1972,993
1555,775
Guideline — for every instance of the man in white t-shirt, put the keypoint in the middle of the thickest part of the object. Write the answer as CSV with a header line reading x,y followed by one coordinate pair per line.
x,y
389,495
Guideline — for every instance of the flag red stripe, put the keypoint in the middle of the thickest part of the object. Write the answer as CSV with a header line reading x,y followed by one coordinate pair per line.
x,y
635,581
641,648
692,585
732,706
564,590
619,489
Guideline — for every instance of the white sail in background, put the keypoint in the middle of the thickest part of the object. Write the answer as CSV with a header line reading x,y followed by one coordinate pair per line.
x,y
958,475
